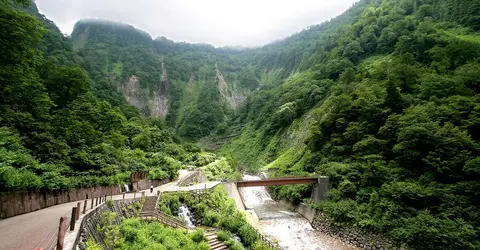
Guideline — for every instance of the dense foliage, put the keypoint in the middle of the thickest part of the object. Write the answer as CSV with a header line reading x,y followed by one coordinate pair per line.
x,y
135,234
215,209
221,170
183,74
390,100
54,132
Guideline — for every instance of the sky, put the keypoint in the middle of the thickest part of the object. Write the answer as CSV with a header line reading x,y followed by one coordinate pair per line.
x,y
218,22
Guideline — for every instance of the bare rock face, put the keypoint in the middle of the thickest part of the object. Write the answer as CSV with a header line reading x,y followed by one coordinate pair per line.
x,y
131,91
159,104
233,98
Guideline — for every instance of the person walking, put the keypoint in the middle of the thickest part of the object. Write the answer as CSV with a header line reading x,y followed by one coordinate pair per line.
x,y
151,188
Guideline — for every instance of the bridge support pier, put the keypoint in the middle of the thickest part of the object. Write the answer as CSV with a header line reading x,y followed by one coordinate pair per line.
x,y
319,192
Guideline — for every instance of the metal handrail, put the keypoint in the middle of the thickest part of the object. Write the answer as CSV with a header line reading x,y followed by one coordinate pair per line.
x,y
163,218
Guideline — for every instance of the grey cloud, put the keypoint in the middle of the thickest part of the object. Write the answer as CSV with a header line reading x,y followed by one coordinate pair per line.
x,y
218,22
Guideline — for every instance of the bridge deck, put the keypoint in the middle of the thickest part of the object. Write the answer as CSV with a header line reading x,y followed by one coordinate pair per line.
x,y
277,181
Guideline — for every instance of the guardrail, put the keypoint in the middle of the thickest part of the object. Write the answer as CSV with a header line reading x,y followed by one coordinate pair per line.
x,y
164,219
267,241
54,239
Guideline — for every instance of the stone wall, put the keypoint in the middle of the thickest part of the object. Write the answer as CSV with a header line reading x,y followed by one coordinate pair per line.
x,y
15,203
145,184
196,177
351,236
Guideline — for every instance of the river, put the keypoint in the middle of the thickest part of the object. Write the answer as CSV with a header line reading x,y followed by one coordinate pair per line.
x,y
290,229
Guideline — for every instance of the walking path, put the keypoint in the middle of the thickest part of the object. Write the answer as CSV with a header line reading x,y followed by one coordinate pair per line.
x,y
26,231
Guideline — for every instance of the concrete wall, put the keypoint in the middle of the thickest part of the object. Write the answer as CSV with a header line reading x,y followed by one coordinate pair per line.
x,y
15,203
194,177
303,209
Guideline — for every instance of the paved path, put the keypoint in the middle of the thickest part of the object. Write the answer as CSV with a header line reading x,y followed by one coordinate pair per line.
x,y
26,231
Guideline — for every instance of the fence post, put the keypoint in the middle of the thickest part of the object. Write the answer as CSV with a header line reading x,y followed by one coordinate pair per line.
x,y
134,194
105,198
123,196
85,206
91,206
72,219
96,201
61,232
78,211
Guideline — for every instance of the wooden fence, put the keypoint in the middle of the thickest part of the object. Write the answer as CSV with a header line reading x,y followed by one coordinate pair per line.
x,y
92,221
54,239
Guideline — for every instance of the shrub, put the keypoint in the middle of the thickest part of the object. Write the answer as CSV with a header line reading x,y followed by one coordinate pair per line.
x,y
202,246
91,245
259,245
343,211
211,219
223,235
198,236
248,235
427,232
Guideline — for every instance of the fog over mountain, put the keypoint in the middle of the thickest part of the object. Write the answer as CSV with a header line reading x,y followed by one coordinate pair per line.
x,y
218,22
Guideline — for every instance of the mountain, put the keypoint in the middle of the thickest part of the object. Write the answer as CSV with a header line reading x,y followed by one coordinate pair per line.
x,y
386,103
60,128
193,86
384,99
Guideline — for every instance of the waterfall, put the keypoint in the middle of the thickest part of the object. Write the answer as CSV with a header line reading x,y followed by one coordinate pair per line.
x,y
126,188
184,212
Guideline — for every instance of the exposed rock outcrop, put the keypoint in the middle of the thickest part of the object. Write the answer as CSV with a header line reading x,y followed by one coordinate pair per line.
x,y
132,93
159,103
232,97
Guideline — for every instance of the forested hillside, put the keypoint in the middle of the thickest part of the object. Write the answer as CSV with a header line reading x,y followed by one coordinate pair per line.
x,y
193,86
387,105
56,129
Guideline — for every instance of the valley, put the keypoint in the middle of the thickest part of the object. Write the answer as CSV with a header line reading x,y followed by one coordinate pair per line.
x,y
383,100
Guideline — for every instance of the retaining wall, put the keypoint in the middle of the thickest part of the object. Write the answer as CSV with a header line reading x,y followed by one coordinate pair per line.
x,y
302,208
352,236
193,178
16,203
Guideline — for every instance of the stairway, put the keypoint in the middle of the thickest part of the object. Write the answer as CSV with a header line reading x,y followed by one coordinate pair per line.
x,y
150,204
213,242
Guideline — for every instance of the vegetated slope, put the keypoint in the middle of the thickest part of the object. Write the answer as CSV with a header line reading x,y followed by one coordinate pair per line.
x,y
193,86
54,132
388,107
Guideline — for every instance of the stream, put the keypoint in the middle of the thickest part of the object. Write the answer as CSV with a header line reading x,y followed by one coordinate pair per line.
x,y
290,229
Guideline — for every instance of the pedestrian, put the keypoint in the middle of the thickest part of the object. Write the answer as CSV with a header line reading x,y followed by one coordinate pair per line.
x,y
151,188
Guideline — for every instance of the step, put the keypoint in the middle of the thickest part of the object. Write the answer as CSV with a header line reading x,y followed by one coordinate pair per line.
x,y
211,237
222,247
212,240
216,244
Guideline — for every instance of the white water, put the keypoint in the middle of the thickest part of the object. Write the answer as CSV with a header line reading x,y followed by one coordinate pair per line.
x,y
290,229
127,189
184,212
